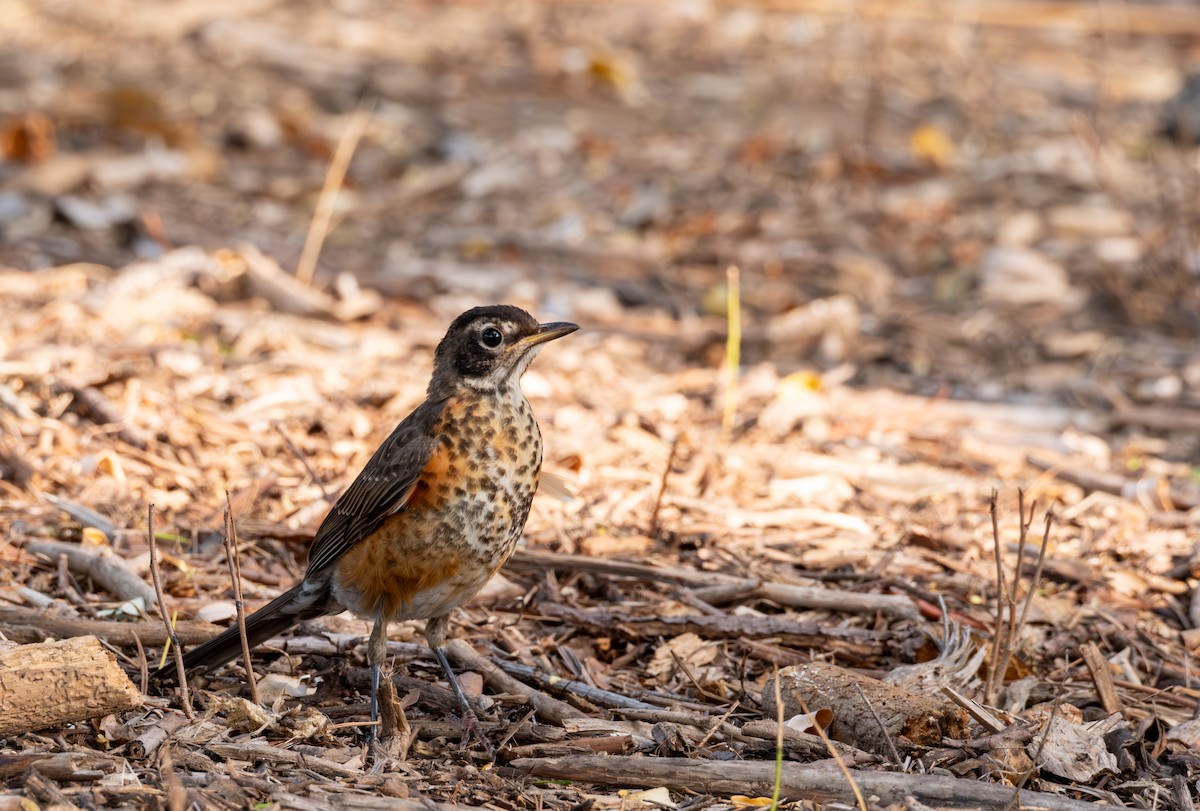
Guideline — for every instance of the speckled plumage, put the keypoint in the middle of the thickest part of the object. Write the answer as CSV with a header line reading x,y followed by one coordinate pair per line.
x,y
461,522
439,507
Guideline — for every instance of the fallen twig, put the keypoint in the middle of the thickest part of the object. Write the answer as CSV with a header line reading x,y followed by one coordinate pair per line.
x,y
541,559
148,742
312,474
45,791
92,404
861,642
883,730
1097,665
547,707
102,565
975,710
803,746
799,781
596,695
358,801
35,624
273,754
813,597
75,765
724,587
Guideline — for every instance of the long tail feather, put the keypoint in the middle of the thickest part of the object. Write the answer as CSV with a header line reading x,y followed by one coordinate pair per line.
x,y
272,619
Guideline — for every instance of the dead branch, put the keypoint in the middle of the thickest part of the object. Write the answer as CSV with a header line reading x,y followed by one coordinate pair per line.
x,y
541,559
49,684
77,766
821,783
729,626
148,742
588,692
35,624
102,565
548,708
265,753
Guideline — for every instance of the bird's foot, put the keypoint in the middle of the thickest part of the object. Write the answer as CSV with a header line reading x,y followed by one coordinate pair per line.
x,y
471,726
473,729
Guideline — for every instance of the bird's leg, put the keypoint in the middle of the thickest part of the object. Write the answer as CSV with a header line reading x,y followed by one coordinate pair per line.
x,y
376,653
435,633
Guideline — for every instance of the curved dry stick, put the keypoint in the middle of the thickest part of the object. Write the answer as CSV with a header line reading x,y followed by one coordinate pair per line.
x,y
235,574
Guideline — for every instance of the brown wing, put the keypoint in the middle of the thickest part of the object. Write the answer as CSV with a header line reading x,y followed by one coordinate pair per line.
x,y
381,489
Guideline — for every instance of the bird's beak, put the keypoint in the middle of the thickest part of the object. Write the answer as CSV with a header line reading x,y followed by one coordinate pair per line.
x,y
548,332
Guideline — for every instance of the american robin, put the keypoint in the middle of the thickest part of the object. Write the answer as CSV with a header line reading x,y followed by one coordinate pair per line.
x,y
438,508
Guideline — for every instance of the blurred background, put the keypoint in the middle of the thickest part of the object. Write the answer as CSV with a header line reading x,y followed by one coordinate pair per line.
x,y
983,199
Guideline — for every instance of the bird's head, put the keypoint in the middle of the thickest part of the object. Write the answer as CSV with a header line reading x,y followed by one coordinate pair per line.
x,y
489,348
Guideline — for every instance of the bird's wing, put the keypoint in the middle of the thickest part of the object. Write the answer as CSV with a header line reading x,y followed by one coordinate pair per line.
x,y
381,489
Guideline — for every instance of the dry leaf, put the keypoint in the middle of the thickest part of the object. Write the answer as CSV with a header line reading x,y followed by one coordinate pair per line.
x,y
931,145
688,648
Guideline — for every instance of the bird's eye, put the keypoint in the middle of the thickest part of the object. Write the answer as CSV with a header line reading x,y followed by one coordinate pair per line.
x,y
491,337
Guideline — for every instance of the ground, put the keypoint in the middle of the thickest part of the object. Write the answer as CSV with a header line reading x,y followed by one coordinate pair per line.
x,y
949,253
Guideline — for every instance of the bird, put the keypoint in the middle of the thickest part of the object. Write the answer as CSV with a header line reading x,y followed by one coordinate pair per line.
x,y
436,511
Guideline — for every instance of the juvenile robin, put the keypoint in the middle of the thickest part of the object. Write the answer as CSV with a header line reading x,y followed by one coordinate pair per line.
x,y
436,511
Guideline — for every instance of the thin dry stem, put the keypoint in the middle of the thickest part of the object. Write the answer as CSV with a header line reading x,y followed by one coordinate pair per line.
x,y
312,474
778,741
1008,625
733,349
1015,802
184,696
833,752
688,674
720,722
233,558
1022,536
662,486
1037,571
318,229
992,691
882,727
143,665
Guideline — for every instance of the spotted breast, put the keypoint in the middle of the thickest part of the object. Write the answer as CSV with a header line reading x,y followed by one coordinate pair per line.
x,y
462,520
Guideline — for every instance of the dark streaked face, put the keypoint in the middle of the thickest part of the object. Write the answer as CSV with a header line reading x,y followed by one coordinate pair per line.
x,y
490,347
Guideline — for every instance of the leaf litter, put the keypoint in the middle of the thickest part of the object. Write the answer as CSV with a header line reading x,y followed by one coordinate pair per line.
x,y
966,265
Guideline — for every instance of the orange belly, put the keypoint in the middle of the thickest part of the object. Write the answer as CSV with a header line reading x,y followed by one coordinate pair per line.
x,y
459,524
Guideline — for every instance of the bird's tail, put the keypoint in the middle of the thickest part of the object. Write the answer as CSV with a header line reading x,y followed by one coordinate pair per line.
x,y
277,616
